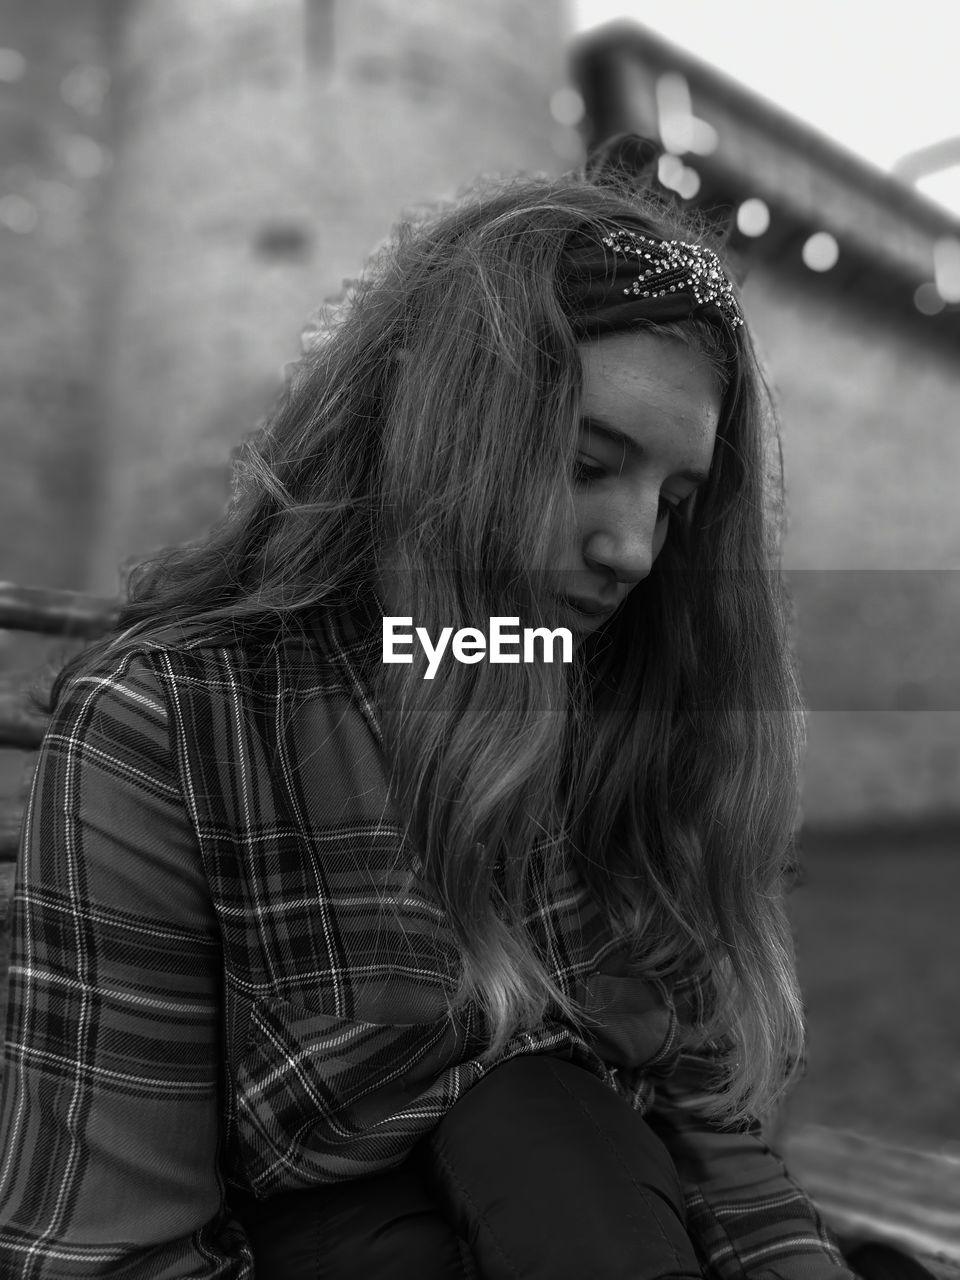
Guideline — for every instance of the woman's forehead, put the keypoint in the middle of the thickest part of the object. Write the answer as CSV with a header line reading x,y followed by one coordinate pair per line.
x,y
633,370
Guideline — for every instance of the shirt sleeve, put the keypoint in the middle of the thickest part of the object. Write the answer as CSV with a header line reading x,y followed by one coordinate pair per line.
x,y
745,1214
109,1113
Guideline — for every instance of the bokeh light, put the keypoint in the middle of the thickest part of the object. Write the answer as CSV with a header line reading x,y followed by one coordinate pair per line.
x,y
674,112
85,157
689,183
673,174
753,217
927,300
566,106
18,214
12,65
680,130
669,169
84,89
821,251
946,267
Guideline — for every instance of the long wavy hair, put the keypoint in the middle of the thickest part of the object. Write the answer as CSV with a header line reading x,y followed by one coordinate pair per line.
x,y
433,430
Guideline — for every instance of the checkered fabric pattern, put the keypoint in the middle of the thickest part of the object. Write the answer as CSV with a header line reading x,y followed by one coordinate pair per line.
x,y
220,978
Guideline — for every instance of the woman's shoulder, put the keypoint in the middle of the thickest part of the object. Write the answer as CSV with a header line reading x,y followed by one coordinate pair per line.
x,y
220,659
228,692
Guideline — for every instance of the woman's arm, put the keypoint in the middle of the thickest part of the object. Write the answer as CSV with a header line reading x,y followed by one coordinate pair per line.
x,y
109,1123
746,1216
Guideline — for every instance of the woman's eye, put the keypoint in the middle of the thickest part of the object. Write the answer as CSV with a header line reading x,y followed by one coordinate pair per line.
x,y
586,472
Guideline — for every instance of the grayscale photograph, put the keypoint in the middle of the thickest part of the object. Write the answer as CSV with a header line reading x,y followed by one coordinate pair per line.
x,y
479,640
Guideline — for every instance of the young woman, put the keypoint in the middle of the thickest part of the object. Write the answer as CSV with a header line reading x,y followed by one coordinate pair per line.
x,y
326,968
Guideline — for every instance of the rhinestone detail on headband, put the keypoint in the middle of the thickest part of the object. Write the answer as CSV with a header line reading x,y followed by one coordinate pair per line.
x,y
674,266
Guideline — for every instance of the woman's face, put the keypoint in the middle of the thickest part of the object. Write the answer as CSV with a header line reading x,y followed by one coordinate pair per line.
x,y
649,414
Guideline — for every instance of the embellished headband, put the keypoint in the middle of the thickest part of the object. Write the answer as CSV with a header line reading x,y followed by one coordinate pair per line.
x,y
609,282
675,266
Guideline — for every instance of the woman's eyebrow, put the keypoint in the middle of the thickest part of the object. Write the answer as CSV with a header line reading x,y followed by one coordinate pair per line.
x,y
612,435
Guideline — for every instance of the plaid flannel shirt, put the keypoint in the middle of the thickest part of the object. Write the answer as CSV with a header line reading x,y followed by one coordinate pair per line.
x,y
219,979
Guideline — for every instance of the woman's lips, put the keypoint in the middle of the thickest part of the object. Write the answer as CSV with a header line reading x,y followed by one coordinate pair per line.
x,y
591,611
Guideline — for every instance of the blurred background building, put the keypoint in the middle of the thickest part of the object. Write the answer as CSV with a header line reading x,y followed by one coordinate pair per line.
x,y
183,181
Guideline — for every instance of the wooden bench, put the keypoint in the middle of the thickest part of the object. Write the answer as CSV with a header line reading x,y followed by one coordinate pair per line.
x,y
39,625
60,615
867,1190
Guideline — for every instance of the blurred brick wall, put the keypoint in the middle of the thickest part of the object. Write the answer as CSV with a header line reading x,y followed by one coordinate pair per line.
x,y
871,429
264,148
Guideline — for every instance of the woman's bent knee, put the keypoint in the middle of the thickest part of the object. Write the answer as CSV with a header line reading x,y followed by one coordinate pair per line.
x,y
546,1171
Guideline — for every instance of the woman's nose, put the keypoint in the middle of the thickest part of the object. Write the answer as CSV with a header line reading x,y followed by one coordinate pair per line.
x,y
626,546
